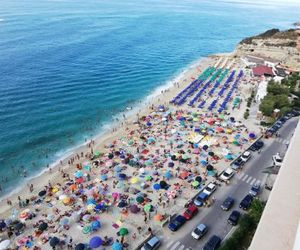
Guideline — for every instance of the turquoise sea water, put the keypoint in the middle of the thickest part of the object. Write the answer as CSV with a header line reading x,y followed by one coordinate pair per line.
x,y
66,67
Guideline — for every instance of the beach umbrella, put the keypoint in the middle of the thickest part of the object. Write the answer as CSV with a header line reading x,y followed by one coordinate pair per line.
x,y
252,135
134,209
228,156
163,184
4,244
117,246
80,246
79,180
87,229
54,241
78,174
115,195
205,147
168,175
2,225
198,178
148,177
95,242
134,180
103,177
195,183
211,153
18,226
203,162
209,168
142,170
147,207
99,206
97,153
86,217
183,174
122,204
235,142
67,200
140,199
64,221
62,197
123,231
117,168
171,164
42,193
120,184
122,176
157,217
196,151
156,186
43,226
95,225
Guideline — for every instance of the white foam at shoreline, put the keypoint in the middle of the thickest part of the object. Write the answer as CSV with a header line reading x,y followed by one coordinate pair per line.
x,y
107,126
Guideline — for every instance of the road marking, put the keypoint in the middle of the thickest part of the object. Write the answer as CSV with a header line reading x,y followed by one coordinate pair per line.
x,y
170,243
245,177
249,179
241,175
181,247
252,182
175,245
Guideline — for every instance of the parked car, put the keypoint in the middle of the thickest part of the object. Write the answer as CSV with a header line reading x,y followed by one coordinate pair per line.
x,y
200,199
234,217
152,244
176,223
238,163
295,112
190,212
227,203
213,243
277,160
246,202
254,190
246,156
210,188
199,231
257,145
227,174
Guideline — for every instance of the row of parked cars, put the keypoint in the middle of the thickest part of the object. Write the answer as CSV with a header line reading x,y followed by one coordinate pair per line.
x,y
278,124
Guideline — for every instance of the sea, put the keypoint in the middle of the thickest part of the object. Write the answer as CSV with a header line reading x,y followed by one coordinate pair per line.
x,y
69,67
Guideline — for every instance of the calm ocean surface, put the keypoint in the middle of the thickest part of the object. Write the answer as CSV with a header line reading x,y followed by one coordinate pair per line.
x,y
66,67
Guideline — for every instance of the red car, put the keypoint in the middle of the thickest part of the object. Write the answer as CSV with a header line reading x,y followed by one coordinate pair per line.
x,y
190,212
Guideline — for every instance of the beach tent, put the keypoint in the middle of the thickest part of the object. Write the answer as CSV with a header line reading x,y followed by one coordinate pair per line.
x,y
123,231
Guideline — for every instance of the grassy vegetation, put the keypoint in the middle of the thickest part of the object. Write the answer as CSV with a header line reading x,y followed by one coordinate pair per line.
x,y
278,96
242,236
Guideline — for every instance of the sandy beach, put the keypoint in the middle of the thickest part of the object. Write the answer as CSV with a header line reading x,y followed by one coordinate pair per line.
x,y
101,182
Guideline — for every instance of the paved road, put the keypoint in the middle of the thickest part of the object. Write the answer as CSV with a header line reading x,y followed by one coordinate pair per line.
x,y
214,217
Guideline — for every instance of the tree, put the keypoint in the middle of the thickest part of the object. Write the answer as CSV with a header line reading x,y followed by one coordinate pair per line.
x,y
276,89
267,106
281,101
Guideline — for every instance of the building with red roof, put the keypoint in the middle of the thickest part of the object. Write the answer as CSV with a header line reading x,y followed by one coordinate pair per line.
x,y
262,70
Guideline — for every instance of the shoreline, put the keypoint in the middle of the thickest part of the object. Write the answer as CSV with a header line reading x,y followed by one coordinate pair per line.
x,y
105,135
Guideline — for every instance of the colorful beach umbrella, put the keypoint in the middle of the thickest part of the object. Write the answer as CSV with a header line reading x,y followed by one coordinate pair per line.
x,y
134,180
95,225
78,174
195,183
156,186
87,229
140,199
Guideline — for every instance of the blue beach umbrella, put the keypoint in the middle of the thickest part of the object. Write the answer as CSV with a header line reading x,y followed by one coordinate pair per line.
x,y
78,174
203,162
117,246
122,176
103,177
117,168
95,242
156,186
168,175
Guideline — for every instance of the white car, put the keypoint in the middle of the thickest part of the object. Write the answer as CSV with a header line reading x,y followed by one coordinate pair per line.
x,y
210,188
246,156
277,160
227,174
